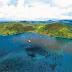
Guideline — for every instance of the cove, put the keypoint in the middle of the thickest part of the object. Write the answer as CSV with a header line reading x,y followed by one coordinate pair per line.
x,y
42,54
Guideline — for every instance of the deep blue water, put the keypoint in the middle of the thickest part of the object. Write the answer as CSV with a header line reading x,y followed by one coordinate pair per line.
x,y
42,54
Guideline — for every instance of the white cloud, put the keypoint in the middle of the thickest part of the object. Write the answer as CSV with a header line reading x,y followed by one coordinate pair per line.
x,y
4,2
38,10
63,3
66,17
20,3
44,11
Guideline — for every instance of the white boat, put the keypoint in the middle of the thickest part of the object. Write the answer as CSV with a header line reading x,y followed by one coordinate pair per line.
x,y
29,41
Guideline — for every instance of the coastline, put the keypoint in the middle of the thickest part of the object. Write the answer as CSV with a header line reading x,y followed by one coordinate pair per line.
x,y
43,33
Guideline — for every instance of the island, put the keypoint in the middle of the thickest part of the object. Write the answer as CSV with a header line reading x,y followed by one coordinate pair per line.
x,y
51,29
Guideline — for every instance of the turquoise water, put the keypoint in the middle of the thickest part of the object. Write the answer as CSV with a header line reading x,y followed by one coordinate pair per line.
x,y
42,54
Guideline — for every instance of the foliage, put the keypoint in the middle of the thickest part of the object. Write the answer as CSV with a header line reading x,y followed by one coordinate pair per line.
x,y
55,29
14,28
52,29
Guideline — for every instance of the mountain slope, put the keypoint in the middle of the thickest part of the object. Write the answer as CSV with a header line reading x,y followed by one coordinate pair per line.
x,y
55,29
52,29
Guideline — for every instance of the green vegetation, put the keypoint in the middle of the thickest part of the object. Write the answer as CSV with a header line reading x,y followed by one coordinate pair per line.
x,y
55,29
15,28
52,29
69,27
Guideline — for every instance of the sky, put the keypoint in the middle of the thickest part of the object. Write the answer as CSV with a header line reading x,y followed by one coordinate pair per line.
x,y
35,9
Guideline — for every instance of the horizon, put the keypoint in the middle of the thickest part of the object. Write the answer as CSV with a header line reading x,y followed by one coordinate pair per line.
x,y
33,20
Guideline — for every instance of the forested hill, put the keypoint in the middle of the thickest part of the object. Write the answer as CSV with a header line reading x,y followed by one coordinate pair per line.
x,y
56,29
52,29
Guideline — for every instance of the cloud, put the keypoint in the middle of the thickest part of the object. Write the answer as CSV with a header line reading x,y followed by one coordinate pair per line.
x,y
13,2
68,14
63,3
35,9
4,2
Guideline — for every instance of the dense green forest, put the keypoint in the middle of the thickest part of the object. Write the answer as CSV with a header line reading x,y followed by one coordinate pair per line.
x,y
56,29
52,29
